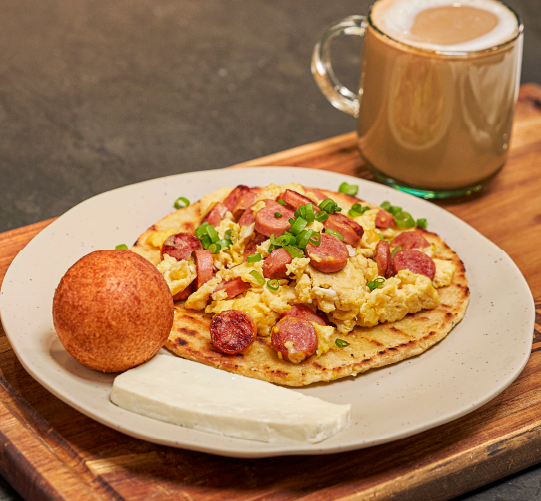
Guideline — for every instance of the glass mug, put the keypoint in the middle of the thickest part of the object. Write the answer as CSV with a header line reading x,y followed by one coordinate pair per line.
x,y
433,122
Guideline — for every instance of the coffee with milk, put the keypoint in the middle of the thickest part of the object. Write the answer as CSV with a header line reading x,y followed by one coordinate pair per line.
x,y
438,86
437,106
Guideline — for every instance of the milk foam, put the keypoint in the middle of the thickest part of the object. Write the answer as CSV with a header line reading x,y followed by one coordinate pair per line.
x,y
396,17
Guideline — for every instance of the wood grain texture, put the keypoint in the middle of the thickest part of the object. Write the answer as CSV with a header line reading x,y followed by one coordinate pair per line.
x,y
50,451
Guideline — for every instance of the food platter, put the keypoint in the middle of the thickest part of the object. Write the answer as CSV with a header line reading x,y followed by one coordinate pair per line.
x,y
474,363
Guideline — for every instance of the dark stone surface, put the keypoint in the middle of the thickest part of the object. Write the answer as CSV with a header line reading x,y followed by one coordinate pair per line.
x,y
96,94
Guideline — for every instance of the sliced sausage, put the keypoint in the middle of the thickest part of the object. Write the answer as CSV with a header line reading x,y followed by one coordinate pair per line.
x,y
233,287
304,312
268,224
232,331
330,255
248,217
215,215
410,240
383,259
251,247
274,266
294,338
384,219
204,265
233,198
182,295
245,201
414,261
296,199
349,229
180,246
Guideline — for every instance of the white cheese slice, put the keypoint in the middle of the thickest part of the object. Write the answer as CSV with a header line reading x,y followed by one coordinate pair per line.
x,y
196,396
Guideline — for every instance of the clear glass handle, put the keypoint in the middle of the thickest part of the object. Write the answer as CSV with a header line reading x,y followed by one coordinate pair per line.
x,y
338,95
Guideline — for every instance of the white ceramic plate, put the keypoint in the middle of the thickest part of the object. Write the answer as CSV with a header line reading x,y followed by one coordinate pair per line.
x,y
474,363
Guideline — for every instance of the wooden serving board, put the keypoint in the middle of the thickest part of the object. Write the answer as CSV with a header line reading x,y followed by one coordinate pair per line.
x,y
50,451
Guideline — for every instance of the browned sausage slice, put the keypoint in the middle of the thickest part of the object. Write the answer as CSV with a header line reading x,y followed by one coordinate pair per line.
x,y
383,259
232,331
248,216
233,287
349,229
330,255
296,199
204,265
251,248
294,338
304,312
245,201
215,215
183,294
414,261
180,246
410,240
384,219
233,198
274,266
268,224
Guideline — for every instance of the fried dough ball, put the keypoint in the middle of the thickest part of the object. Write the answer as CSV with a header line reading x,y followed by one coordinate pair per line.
x,y
113,310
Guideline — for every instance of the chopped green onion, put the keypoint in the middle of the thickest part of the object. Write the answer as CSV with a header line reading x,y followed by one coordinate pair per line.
x,y
258,278
309,213
298,226
273,284
282,240
321,216
304,237
381,237
254,258
229,235
330,206
357,210
294,251
335,233
404,220
215,248
395,250
395,210
341,343
121,247
212,233
316,239
348,189
201,230
376,283
277,214
421,223
386,205
281,202
181,203
223,243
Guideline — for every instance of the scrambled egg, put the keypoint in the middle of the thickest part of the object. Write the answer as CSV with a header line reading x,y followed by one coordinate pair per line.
x,y
344,296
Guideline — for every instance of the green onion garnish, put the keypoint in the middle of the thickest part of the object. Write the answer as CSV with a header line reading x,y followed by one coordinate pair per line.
x,y
386,205
381,237
335,233
258,278
273,284
223,243
281,202
254,258
404,219
395,250
348,189
201,230
316,239
229,235
181,203
421,223
376,283
212,233
357,210
341,343
395,210
321,216
294,251
121,247
282,240
330,206
304,237
298,226
278,215
214,248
